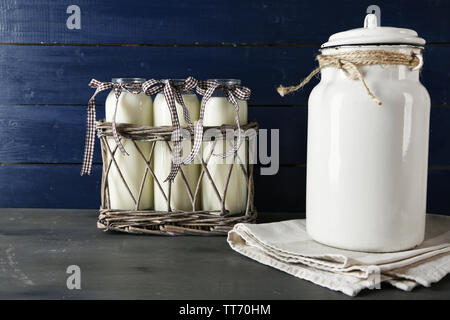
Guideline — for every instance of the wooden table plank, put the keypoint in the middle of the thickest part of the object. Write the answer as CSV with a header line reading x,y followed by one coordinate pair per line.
x,y
37,245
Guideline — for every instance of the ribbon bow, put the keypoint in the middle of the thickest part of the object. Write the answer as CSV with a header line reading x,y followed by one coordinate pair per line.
x,y
91,117
172,93
231,92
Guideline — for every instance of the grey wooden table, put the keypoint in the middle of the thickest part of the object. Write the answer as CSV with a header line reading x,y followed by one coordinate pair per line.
x,y
37,246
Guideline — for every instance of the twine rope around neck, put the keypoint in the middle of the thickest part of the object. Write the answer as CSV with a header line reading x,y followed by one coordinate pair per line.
x,y
349,63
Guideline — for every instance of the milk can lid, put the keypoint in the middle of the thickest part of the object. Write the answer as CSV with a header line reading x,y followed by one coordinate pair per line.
x,y
374,34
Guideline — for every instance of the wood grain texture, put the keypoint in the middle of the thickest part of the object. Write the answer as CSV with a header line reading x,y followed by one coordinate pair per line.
x,y
286,189
45,69
439,148
49,186
438,200
60,75
44,134
60,186
55,134
216,22
40,244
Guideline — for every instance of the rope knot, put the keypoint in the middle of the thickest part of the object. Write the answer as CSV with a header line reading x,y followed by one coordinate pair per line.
x,y
349,63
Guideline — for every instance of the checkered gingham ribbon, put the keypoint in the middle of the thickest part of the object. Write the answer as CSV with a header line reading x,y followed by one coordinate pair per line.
x,y
231,92
172,93
91,118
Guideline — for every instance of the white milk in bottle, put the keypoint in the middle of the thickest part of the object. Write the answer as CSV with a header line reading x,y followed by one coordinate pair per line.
x,y
219,111
180,199
135,109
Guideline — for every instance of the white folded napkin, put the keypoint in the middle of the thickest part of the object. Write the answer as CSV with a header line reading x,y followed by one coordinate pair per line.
x,y
286,246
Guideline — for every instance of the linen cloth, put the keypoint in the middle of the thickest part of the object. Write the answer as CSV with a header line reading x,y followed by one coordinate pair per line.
x,y
286,246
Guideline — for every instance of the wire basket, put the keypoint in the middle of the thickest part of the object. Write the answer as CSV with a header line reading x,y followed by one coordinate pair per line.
x,y
169,222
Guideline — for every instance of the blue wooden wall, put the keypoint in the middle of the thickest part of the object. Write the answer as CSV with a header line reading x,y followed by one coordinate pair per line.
x,y
45,69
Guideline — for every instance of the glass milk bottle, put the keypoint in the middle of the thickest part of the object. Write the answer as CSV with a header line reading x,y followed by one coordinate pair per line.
x,y
179,195
367,163
219,111
135,109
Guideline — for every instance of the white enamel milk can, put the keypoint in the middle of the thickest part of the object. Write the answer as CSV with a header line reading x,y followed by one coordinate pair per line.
x,y
368,128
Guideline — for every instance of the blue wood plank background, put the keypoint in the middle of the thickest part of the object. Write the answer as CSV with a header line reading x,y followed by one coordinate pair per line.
x,y
45,68
212,22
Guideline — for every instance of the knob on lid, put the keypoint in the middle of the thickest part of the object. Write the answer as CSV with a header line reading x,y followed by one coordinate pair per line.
x,y
374,34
